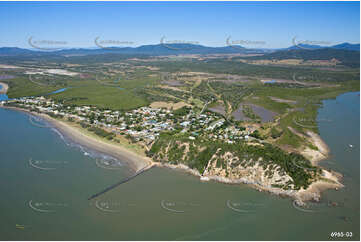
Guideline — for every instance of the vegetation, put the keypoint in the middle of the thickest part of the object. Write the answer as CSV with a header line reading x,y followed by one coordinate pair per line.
x,y
101,132
167,149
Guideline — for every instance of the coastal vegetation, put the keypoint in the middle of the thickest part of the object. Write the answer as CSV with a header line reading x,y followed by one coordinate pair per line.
x,y
197,154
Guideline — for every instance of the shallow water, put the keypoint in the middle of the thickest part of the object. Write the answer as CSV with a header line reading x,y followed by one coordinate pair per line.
x,y
58,91
218,109
239,115
3,96
264,114
162,204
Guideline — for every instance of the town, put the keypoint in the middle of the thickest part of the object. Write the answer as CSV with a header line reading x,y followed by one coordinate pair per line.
x,y
142,125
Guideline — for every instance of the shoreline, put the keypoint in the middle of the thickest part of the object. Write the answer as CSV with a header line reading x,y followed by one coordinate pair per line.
x,y
312,193
138,162
135,161
316,156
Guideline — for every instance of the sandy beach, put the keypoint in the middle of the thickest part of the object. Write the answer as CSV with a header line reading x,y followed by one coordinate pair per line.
x,y
331,180
135,161
4,88
323,149
315,156
77,135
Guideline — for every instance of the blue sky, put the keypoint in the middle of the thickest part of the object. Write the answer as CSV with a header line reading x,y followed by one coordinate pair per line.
x,y
271,24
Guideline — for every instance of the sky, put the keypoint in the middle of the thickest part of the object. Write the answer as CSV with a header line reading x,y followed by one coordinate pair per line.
x,y
251,24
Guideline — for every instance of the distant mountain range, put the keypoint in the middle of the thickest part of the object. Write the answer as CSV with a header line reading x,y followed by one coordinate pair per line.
x,y
343,46
347,46
159,49
167,49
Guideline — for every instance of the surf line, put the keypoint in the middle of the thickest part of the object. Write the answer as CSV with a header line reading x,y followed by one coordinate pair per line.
x,y
32,120
121,182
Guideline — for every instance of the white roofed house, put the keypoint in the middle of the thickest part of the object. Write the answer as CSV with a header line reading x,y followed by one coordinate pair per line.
x,y
185,123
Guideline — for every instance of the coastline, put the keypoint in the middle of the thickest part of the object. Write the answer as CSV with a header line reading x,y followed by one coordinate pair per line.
x,y
316,156
312,193
135,161
329,179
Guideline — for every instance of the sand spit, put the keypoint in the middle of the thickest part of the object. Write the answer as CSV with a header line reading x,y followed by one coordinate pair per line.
x,y
322,152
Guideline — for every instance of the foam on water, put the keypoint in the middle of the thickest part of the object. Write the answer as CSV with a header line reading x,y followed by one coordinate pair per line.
x,y
87,151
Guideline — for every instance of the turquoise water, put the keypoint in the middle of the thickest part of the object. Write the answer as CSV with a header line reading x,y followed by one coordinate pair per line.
x,y
58,91
3,97
161,204
271,81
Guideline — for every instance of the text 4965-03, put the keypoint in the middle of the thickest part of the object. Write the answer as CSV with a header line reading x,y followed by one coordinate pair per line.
x,y
341,234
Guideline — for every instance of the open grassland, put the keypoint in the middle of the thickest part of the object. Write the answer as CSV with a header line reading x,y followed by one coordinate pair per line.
x,y
101,96
109,91
21,86
121,95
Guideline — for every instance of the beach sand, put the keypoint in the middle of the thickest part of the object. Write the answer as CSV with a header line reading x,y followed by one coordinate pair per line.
x,y
135,161
323,149
330,179
313,192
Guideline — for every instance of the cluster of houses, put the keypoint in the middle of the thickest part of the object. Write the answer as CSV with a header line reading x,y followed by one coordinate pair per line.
x,y
142,124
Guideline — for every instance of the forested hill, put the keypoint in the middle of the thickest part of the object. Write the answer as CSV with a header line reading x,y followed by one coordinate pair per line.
x,y
347,57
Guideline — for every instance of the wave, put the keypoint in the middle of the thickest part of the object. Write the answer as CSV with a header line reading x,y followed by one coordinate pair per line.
x,y
38,122
88,151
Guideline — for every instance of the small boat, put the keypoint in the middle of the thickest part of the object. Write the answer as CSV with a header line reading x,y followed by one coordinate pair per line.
x,y
350,145
204,178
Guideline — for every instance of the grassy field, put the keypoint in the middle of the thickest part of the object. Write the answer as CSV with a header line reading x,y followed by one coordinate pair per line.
x,y
22,86
120,95
101,96
109,92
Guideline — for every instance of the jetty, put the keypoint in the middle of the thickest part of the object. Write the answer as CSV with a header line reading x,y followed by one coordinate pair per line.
x,y
121,182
